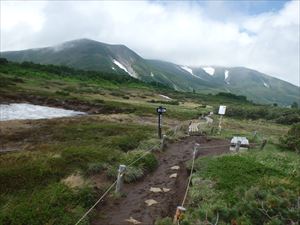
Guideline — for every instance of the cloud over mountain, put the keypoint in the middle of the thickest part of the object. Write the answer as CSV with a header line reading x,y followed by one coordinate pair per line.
x,y
187,33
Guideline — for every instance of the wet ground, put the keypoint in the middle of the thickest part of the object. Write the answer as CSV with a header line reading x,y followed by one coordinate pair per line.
x,y
133,204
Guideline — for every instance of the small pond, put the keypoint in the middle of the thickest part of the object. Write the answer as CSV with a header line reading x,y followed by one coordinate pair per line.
x,y
24,111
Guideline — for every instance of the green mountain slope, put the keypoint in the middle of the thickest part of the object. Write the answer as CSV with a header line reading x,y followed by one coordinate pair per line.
x,y
118,59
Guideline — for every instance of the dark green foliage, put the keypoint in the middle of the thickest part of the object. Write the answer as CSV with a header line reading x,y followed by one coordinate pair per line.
x,y
279,115
294,105
63,72
276,205
253,188
3,61
232,96
55,204
31,191
94,168
62,93
292,139
243,172
164,221
165,102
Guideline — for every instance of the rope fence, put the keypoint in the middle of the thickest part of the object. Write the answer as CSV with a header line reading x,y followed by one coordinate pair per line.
x,y
113,184
99,200
180,209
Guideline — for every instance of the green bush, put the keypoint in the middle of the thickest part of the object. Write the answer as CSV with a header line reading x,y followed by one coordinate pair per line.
x,y
251,188
62,93
94,168
133,174
292,139
55,204
164,221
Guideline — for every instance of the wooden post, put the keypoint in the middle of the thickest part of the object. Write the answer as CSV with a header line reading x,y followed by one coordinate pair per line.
x,y
159,125
163,142
179,214
237,146
263,144
220,124
120,179
254,134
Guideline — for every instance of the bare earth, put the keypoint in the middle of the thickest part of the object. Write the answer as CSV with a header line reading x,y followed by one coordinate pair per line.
x,y
133,204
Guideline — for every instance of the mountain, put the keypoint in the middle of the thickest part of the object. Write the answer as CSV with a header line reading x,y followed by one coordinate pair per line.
x,y
93,55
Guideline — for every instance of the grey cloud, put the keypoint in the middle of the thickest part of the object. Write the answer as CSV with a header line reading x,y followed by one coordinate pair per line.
x,y
184,33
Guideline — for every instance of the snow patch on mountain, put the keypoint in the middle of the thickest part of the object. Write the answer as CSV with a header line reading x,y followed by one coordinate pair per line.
x,y
190,71
166,97
209,70
266,85
121,66
151,74
113,68
226,74
187,69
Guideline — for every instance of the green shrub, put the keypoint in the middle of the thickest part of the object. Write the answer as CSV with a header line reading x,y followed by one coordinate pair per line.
x,y
55,204
133,174
94,168
164,221
62,93
292,139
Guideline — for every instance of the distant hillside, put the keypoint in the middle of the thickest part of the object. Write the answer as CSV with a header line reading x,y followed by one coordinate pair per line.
x,y
118,59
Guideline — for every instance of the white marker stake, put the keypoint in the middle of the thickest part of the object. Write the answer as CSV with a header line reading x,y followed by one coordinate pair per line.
x,y
120,179
222,110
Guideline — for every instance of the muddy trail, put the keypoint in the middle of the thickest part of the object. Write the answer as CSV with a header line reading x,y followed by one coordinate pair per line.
x,y
133,205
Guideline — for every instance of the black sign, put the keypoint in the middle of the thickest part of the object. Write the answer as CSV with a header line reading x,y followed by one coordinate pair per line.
x,y
161,110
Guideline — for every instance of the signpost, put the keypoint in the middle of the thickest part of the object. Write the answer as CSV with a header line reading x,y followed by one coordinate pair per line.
x,y
222,110
160,110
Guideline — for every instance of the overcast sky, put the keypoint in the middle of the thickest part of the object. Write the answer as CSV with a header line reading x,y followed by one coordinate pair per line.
x,y
262,35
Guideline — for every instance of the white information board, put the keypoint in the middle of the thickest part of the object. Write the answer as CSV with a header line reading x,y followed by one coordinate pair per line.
x,y
222,109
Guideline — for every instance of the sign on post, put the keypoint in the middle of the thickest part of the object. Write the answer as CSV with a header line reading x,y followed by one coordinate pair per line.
x,y
222,110
160,110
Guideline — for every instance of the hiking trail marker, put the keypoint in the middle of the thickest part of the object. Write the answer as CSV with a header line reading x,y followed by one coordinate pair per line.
x,y
222,110
160,110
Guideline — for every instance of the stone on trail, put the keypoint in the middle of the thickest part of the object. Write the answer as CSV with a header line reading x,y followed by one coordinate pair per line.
x,y
174,175
175,167
150,202
166,189
133,221
155,190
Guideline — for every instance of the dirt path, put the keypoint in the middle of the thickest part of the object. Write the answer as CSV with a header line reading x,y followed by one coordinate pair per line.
x,y
133,204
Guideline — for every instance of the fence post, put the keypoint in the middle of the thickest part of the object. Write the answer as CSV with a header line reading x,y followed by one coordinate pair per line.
x,y
120,178
263,144
196,149
163,142
220,124
237,146
179,214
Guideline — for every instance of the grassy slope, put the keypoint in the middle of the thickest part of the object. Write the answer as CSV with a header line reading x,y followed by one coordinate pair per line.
x,y
240,187
31,188
33,191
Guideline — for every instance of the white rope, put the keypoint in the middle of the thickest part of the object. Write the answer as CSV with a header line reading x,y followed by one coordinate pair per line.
x,y
105,193
190,178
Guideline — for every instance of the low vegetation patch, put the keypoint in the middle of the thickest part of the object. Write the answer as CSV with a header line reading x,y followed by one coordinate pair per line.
x,y
252,188
292,139
51,185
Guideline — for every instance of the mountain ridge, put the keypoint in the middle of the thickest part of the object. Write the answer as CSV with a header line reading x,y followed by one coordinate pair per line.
x,y
89,54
